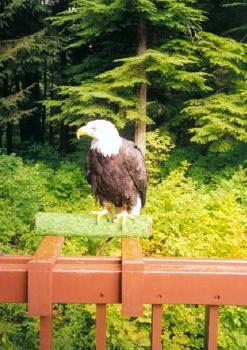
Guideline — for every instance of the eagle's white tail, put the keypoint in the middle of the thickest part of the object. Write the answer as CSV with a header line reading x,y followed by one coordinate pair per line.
x,y
137,208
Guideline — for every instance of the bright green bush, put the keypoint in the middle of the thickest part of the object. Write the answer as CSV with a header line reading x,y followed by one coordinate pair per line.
x,y
26,189
197,220
17,331
158,147
194,221
205,167
23,190
194,216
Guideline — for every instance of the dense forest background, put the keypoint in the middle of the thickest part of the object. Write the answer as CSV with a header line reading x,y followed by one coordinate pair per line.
x,y
170,74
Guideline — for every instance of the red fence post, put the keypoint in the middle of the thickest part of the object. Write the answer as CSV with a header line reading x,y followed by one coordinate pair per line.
x,y
45,334
100,326
40,286
212,315
156,326
132,277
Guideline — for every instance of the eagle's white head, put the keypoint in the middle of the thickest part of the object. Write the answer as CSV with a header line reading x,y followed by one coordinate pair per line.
x,y
106,139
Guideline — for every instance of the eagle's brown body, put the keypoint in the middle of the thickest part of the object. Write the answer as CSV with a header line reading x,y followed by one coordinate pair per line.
x,y
120,178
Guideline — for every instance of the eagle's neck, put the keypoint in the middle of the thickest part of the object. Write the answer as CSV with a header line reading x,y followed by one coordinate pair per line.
x,y
107,146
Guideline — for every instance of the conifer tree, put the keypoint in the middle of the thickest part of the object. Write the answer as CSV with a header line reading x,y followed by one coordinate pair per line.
x,y
219,116
108,31
181,67
26,49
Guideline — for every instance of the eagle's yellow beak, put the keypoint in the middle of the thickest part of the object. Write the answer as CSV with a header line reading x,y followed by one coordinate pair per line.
x,y
81,132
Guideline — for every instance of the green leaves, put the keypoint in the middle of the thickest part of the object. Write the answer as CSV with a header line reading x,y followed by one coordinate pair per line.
x,y
223,58
178,15
198,63
87,20
11,107
49,189
158,147
103,25
223,52
196,84
91,100
192,220
112,93
25,50
28,51
220,120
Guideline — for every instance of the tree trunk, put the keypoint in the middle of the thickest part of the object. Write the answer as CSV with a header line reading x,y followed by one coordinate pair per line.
x,y
1,135
50,134
43,117
31,126
140,126
64,138
51,130
9,137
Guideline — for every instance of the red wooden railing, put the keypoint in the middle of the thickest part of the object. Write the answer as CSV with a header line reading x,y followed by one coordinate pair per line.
x,y
47,278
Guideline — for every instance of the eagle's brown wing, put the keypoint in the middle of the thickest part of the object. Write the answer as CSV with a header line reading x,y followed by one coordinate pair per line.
x,y
135,164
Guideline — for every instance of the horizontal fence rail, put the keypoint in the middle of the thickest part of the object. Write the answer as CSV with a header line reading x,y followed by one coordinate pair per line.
x,y
47,278
166,281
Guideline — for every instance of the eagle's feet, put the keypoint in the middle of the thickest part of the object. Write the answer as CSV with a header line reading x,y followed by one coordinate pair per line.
x,y
124,215
100,214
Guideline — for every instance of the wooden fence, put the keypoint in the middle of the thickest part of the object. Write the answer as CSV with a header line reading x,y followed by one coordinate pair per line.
x,y
132,280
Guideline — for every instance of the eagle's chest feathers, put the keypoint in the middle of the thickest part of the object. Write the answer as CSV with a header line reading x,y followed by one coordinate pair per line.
x,y
107,162
109,170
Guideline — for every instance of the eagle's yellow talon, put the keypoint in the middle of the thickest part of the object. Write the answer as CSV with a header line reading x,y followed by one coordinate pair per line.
x,y
124,215
100,214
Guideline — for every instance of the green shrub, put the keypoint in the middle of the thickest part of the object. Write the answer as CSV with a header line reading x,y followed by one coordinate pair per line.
x,y
23,190
158,147
196,221
38,152
17,330
26,189
205,167
192,218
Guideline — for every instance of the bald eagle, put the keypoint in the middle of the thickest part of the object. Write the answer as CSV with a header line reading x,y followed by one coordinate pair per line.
x,y
115,169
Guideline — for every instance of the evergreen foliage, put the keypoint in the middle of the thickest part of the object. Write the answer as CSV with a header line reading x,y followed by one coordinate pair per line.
x,y
10,107
65,62
241,26
211,128
27,48
113,92
188,63
220,115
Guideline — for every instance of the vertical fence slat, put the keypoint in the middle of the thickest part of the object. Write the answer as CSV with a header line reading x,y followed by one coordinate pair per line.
x,y
100,326
132,277
45,334
40,276
156,326
211,325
